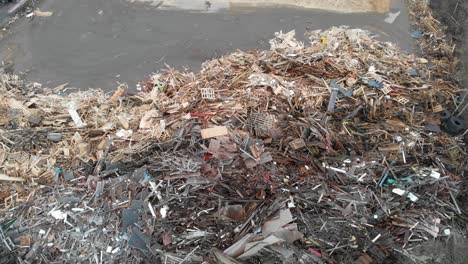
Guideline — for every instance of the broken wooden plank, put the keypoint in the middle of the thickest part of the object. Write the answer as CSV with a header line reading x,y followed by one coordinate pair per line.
x,y
4,177
214,132
390,148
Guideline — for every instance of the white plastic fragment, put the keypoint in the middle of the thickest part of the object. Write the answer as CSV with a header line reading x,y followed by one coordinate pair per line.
x,y
376,238
362,177
163,211
58,214
402,192
336,169
291,202
76,118
152,210
122,133
434,174
413,197
109,249
391,17
399,191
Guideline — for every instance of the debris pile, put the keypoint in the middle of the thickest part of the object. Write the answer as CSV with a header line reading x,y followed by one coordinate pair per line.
x,y
432,42
336,151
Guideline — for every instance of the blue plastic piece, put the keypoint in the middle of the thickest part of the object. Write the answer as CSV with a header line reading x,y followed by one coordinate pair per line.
x,y
147,176
375,84
413,73
343,92
335,85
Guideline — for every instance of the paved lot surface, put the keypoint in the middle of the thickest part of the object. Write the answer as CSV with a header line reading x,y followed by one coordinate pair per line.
x,y
98,43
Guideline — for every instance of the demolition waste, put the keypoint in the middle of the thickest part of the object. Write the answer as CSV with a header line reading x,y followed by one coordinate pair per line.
x,y
341,150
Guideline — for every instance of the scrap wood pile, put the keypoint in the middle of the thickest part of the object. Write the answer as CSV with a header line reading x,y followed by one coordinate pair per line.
x,y
432,42
341,151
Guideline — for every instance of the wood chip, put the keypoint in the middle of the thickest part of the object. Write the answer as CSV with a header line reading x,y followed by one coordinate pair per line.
x,y
395,122
120,91
297,143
